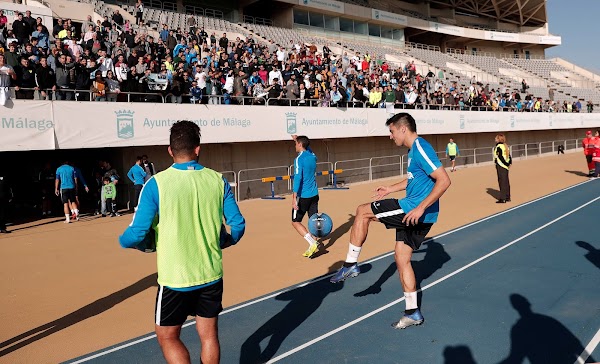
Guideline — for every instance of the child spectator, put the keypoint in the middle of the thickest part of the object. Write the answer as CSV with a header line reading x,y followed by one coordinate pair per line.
x,y
110,194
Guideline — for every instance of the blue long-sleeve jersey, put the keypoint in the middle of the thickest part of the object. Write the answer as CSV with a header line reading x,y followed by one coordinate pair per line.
x,y
305,168
80,179
137,174
148,208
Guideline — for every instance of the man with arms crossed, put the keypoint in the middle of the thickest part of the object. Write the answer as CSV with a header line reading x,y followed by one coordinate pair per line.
x,y
412,216
306,194
65,186
137,175
189,201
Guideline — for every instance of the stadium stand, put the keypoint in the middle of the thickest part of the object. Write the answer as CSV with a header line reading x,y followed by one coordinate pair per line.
x,y
200,57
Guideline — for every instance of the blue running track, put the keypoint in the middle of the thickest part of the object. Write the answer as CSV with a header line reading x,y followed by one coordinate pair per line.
x,y
519,286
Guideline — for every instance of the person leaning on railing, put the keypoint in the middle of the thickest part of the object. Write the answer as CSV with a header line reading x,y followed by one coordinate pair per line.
x,y
45,80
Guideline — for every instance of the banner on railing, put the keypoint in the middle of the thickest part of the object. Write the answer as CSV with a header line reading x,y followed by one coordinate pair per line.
x,y
121,124
71,125
26,126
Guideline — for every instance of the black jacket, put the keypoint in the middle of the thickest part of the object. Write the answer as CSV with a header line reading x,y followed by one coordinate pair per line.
x,y
45,78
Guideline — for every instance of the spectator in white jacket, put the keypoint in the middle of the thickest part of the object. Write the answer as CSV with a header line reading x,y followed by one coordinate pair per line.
x,y
121,69
275,74
105,63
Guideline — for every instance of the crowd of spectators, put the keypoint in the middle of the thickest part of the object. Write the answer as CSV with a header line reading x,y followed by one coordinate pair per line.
x,y
109,61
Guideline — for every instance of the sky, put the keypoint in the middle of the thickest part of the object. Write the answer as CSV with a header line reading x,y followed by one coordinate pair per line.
x,y
577,22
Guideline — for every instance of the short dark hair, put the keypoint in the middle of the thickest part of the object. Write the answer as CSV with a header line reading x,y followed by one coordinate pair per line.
x,y
138,158
403,118
185,137
303,139
106,179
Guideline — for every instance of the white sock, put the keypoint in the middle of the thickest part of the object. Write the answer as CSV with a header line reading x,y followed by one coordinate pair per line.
x,y
310,239
68,217
76,212
353,253
411,300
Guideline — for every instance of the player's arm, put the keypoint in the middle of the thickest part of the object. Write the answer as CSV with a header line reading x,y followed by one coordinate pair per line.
x,y
442,182
130,175
56,184
298,168
143,217
82,180
382,191
233,216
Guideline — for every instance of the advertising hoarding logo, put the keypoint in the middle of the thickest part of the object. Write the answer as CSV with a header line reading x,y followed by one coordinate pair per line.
x,y
124,124
290,118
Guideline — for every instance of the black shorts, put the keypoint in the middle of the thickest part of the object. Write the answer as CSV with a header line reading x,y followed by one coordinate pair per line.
x,y
391,214
173,307
310,205
67,194
452,157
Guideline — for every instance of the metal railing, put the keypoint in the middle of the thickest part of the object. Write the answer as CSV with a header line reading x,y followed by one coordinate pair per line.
x,y
257,20
326,166
422,46
376,167
80,95
161,97
255,175
521,56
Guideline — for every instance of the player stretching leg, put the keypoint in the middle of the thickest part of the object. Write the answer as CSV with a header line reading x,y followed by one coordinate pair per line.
x,y
412,217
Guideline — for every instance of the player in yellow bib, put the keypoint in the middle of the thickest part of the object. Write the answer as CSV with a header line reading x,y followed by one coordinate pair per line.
x,y
186,204
452,152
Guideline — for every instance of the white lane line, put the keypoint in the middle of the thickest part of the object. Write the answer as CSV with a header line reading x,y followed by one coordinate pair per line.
x,y
330,333
152,336
589,349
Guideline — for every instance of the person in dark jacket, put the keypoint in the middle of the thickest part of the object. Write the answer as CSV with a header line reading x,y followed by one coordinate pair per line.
x,y
21,29
25,80
45,80
83,78
223,42
63,78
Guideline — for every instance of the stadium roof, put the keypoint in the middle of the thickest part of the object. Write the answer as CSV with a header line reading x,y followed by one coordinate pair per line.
x,y
521,12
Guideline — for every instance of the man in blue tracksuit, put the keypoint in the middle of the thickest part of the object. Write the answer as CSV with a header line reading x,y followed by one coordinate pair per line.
x,y
306,194
137,175
65,186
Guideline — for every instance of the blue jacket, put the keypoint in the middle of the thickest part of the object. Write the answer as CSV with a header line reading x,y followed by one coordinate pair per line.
x,y
305,168
137,174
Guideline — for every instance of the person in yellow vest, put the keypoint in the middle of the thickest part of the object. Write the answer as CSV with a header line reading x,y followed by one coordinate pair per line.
x,y
503,161
452,152
185,206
